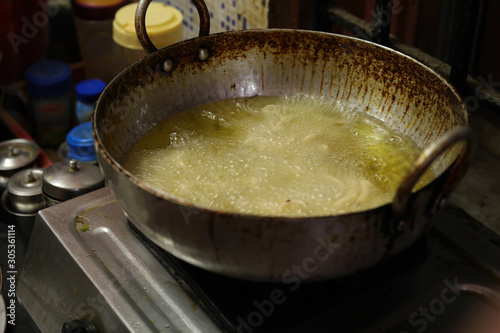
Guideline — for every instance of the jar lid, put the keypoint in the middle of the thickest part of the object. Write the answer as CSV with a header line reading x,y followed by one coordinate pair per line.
x,y
163,25
24,191
17,153
26,183
66,180
97,10
48,78
81,143
88,91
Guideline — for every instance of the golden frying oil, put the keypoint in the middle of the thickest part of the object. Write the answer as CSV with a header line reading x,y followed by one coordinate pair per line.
x,y
275,156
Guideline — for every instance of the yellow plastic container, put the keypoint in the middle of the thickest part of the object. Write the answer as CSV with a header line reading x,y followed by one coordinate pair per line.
x,y
163,24
94,27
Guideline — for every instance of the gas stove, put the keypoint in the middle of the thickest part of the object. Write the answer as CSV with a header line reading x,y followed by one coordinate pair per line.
x,y
88,265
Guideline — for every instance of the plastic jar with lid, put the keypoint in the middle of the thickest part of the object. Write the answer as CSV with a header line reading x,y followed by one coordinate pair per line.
x,y
81,144
50,86
163,25
87,93
94,27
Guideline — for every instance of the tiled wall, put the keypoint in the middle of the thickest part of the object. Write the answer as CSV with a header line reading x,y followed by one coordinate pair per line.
x,y
225,15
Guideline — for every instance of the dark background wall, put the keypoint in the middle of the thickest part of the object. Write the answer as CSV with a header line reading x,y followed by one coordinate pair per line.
x,y
430,25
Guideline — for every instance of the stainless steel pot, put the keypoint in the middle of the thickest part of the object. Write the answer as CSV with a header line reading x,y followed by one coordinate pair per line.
x,y
408,96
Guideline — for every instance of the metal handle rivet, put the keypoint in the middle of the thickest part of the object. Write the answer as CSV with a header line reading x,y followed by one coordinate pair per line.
x,y
168,65
203,54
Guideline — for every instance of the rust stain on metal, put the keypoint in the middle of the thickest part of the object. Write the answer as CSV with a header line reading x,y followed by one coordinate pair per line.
x,y
350,90
262,77
406,109
365,91
331,84
337,93
357,93
302,81
322,78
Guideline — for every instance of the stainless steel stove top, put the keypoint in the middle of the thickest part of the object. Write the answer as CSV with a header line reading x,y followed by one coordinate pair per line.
x,y
86,261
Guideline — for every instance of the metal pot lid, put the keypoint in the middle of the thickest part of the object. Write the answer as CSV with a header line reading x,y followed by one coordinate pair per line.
x,y
17,153
67,180
26,183
24,192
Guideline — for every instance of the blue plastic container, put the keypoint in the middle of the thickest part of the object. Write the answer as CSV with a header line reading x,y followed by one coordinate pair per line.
x,y
81,143
87,94
48,78
50,86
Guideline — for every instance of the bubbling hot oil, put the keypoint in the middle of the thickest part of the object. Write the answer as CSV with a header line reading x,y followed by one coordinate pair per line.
x,y
275,156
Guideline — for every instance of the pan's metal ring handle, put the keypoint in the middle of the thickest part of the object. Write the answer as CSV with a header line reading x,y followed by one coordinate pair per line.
x,y
429,156
140,23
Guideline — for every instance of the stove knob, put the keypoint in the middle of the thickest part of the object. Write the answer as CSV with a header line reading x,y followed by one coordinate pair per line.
x,y
79,326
